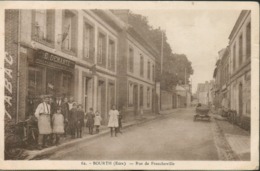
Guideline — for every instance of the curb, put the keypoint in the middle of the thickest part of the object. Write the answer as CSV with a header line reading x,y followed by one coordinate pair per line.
x,y
225,151
53,149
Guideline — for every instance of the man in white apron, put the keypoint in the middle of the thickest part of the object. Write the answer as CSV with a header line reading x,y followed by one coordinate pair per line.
x,y
42,113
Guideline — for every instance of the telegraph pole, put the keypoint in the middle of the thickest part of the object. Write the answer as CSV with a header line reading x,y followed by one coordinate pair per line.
x,y
162,52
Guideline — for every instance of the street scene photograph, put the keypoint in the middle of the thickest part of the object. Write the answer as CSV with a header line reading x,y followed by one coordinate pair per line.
x,y
128,84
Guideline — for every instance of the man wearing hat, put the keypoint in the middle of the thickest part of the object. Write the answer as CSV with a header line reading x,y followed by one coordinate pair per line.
x,y
42,113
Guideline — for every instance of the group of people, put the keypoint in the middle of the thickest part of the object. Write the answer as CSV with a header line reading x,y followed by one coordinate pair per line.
x,y
62,117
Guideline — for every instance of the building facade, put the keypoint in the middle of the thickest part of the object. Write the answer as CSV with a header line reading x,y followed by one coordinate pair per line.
x,y
91,55
239,65
204,95
136,71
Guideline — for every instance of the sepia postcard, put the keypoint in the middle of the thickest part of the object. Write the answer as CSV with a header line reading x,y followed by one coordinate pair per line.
x,y
129,85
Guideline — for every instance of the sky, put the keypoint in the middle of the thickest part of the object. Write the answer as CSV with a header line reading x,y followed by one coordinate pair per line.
x,y
199,34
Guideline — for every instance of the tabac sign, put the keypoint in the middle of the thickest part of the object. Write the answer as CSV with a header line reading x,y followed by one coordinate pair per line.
x,y
55,61
9,61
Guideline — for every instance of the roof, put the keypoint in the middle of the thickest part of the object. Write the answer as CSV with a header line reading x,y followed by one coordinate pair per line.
x,y
132,31
109,18
239,20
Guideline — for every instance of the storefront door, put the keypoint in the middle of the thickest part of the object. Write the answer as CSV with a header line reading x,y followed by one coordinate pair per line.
x,y
35,89
87,94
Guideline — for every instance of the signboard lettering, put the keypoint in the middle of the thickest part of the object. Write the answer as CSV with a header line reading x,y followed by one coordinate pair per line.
x,y
8,83
54,60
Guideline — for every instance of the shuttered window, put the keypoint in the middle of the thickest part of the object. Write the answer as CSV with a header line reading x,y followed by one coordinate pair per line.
x,y
240,49
88,42
148,97
234,57
131,60
148,70
141,65
101,51
44,26
69,31
248,40
111,55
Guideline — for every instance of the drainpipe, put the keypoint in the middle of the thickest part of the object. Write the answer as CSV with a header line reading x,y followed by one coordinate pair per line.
x,y
18,66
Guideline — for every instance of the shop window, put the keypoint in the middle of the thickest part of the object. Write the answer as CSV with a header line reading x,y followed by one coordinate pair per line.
x,y
35,89
130,94
141,65
240,49
131,59
111,54
66,84
69,32
248,40
88,41
101,52
148,97
44,26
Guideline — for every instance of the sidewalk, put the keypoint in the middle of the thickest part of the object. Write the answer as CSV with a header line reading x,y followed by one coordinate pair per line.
x,y
237,138
67,142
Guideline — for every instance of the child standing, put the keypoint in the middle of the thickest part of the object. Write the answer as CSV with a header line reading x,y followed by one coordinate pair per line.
x,y
80,122
98,120
58,125
90,120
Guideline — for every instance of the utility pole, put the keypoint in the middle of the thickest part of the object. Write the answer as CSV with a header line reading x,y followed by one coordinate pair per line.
x,y
185,77
162,51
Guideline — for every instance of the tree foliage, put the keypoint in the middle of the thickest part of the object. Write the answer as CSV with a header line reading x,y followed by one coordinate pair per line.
x,y
173,70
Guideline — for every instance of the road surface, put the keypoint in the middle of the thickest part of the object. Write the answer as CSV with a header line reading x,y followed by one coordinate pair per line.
x,y
176,137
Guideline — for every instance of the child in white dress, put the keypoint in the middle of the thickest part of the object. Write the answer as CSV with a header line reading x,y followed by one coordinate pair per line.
x,y
58,124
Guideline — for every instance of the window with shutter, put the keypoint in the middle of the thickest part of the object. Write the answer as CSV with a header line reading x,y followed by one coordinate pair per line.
x,y
131,60
148,97
130,94
88,43
44,26
141,65
69,32
111,54
101,49
248,40
148,70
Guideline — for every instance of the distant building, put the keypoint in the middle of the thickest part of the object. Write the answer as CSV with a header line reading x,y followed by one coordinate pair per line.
x,y
204,95
221,76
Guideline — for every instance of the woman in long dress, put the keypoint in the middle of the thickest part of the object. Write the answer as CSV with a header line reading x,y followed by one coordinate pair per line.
x,y
113,120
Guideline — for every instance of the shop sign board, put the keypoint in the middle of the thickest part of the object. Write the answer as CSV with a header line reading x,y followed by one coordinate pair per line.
x,y
52,60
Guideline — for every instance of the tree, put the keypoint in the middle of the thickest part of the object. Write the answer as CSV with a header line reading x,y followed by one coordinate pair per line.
x,y
173,71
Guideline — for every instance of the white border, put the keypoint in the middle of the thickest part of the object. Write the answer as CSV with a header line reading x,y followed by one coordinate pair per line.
x,y
253,6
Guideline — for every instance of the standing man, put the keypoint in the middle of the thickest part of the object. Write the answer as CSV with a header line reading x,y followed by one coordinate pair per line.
x,y
71,102
58,102
42,113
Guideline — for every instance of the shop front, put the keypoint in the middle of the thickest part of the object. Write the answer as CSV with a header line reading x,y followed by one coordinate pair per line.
x,y
48,74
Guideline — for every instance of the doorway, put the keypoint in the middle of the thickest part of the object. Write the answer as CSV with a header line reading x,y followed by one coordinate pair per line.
x,y
135,98
87,98
101,94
